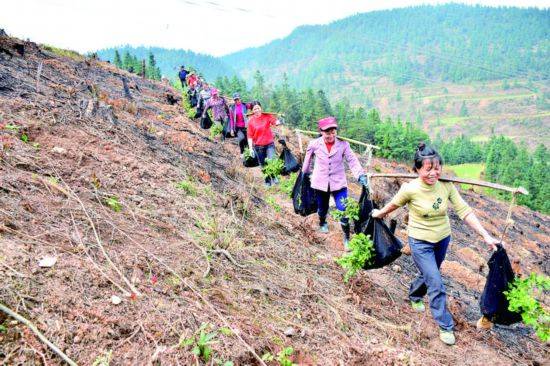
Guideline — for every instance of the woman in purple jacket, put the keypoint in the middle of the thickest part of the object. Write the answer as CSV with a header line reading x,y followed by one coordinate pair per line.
x,y
329,176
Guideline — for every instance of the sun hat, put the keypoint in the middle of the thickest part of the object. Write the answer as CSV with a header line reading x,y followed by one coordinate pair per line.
x,y
326,123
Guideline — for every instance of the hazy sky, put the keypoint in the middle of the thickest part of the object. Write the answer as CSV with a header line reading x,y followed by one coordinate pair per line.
x,y
215,27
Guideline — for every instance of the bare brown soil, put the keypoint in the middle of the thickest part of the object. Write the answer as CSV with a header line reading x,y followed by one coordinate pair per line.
x,y
209,251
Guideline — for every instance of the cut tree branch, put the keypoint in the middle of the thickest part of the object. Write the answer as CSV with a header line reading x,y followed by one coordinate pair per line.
x,y
35,330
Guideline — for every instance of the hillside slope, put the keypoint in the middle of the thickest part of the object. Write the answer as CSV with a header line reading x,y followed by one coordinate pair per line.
x,y
134,200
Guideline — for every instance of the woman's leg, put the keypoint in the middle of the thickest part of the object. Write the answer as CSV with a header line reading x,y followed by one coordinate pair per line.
x,y
322,206
339,199
270,154
241,137
261,154
430,281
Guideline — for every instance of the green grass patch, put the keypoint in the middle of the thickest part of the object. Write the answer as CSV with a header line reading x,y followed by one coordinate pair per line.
x,y
468,171
64,53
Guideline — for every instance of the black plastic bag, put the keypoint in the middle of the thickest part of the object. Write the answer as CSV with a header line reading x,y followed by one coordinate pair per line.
x,y
251,162
366,205
206,122
304,197
387,247
290,163
493,303
192,96
227,130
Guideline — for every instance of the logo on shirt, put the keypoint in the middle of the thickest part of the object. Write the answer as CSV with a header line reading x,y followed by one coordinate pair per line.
x,y
437,203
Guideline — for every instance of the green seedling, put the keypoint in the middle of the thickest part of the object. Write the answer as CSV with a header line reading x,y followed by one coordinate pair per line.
x,y
361,252
287,185
273,168
270,200
103,360
247,154
11,127
524,296
114,204
201,342
216,130
187,187
283,357
351,212
24,137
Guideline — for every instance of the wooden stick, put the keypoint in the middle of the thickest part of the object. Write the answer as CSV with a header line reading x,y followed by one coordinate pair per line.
x,y
341,138
300,143
35,330
455,180
274,113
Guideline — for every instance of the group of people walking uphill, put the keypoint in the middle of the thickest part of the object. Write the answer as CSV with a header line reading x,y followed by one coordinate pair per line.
x,y
427,198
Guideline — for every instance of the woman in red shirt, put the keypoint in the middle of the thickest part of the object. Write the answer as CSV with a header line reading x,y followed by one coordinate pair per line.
x,y
260,137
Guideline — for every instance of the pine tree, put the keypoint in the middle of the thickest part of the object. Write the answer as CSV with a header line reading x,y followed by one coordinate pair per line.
x,y
117,60
152,71
127,61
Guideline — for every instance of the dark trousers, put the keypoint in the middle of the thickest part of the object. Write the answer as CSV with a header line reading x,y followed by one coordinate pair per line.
x,y
241,137
323,199
225,125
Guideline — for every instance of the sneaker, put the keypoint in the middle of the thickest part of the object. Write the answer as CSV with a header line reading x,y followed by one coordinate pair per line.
x,y
346,245
418,306
484,323
447,337
324,228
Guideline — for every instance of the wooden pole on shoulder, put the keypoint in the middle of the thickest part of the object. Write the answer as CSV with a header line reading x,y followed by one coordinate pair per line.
x,y
472,182
312,133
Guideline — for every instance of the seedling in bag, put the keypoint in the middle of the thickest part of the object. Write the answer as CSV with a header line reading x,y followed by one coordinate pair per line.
x,y
287,184
524,296
361,253
351,211
216,130
273,168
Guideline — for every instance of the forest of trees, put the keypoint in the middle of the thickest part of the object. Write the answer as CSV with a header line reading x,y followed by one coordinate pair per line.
x,y
421,44
170,60
131,63
505,162
302,108
418,45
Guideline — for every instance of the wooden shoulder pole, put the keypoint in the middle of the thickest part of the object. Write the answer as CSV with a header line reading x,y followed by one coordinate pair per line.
x,y
473,182
312,133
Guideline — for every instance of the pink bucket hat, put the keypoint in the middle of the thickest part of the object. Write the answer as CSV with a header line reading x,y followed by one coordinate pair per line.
x,y
326,123
214,91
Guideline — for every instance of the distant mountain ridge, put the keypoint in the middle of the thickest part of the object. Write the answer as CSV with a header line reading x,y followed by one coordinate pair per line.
x,y
169,60
420,44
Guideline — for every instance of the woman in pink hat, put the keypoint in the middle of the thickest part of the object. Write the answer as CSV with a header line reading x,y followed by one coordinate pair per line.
x,y
329,176
220,109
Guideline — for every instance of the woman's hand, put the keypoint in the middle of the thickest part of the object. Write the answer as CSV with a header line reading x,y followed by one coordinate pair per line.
x,y
492,242
377,214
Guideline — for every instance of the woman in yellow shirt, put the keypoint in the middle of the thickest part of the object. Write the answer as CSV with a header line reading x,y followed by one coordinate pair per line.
x,y
429,232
